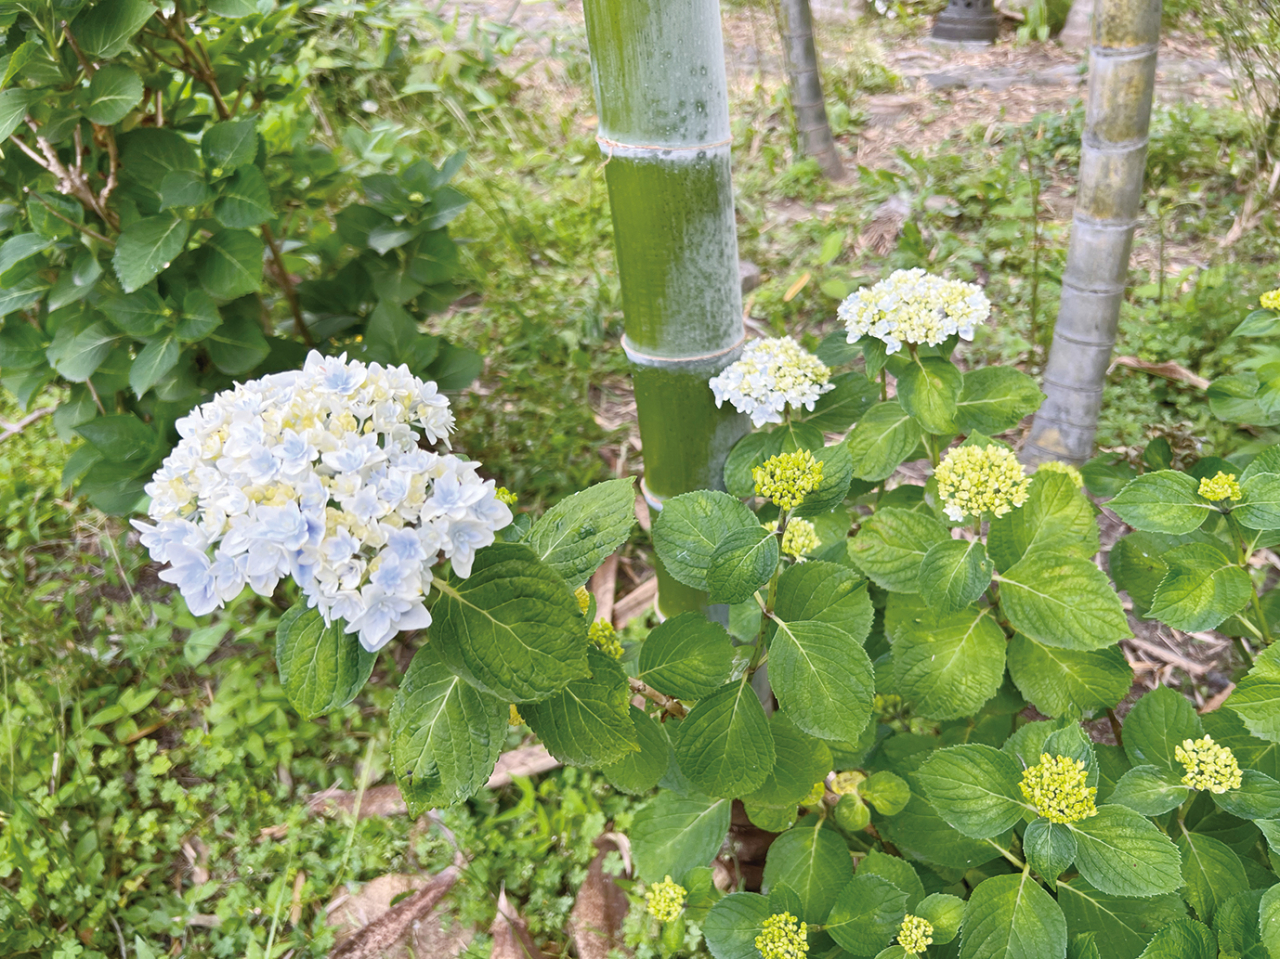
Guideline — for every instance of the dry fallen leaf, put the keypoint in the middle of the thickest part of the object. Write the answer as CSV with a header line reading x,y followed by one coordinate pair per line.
x,y
511,939
601,907
383,930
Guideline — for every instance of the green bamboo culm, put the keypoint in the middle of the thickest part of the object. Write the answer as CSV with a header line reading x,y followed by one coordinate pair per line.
x,y
1122,70
658,72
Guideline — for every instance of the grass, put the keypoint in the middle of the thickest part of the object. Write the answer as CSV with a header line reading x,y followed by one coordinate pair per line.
x,y
153,795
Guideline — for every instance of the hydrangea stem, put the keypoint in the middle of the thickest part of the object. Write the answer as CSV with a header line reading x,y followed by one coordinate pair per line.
x,y
658,72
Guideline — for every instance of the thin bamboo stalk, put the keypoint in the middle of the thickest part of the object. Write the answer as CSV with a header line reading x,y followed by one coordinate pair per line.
x,y
804,83
1122,69
658,71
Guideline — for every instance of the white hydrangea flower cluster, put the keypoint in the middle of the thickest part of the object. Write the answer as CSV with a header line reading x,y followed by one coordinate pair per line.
x,y
318,474
771,375
913,306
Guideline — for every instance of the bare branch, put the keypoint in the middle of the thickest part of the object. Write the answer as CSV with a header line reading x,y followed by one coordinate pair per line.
x,y
13,429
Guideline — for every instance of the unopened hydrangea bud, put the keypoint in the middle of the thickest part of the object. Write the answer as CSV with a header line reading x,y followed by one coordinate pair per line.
x,y
911,306
846,783
602,635
788,478
513,717
782,938
973,480
800,538
416,197
665,900
916,935
504,495
1209,765
1058,788
1222,487
583,598
1270,300
771,375
815,796
1066,469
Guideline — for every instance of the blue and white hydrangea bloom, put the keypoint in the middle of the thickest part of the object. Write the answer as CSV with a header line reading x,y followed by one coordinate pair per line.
x,y
912,306
771,375
322,475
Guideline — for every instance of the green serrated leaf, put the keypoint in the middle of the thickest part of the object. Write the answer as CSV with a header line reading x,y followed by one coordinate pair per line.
x,y
887,791
1202,588
152,364
229,145
244,200
512,628
1050,848
867,914
1155,726
690,527
733,925
1062,601
742,562
237,345
995,399
823,678
200,317
883,438
1060,681
902,874
824,593
577,534
104,30
1055,518
672,835
955,573
948,665
1259,506
1165,501
974,788
1123,926
839,408
814,862
181,189
891,545
322,668
748,453
1011,917
837,475
1122,853
687,657
147,246
1213,873
724,746
113,92
77,355
588,723
638,772
229,264
802,762
919,831
929,389
445,734
1182,939
1147,790
1268,921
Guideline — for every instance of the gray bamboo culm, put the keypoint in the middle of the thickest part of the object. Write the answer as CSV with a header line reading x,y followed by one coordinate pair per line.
x,y
658,71
1122,69
804,82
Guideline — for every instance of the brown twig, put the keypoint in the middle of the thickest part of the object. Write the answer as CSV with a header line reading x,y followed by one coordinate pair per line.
x,y
89,68
672,706
286,284
79,226
13,429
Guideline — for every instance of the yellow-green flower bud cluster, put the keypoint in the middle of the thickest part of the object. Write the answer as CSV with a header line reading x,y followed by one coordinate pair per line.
x,y
800,538
1270,300
916,935
816,795
1209,765
771,375
1222,487
513,716
846,783
788,478
1058,788
583,598
912,306
973,480
782,938
602,635
1066,469
665,900
504,495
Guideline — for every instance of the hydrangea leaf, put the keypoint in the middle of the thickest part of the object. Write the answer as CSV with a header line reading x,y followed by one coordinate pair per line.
x,y
823,678
883,438
815,862
445,734
898,871
322,668
1157,724
1013,918
1122,853
1202,588
1123,925
113,92
1259,506
1059,681
867,914
742,562
974,788
1165,501
1182,939
690,527
824,593
891,545
724,746
229,145
673,834
733,924
577,534
1213,873
1055,518
687,657
512,628
837,474
955,573
928,390
995,399
802,761
948,665
838,409
1062,601
1147,790
588,722
147,246
639,771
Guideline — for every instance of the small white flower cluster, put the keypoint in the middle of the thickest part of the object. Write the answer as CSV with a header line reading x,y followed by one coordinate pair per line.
x,y
771,375
318,474
913,306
